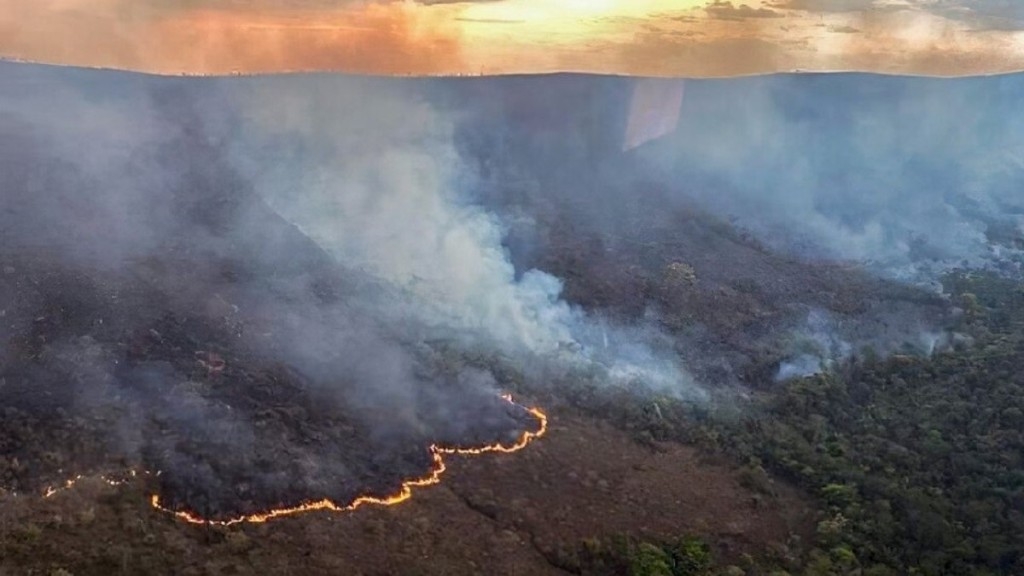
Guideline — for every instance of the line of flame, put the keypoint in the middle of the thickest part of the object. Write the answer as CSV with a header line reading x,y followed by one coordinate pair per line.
x,y
110,480
438,468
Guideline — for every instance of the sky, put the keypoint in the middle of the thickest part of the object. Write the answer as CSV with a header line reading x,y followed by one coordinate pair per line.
x,y
681,38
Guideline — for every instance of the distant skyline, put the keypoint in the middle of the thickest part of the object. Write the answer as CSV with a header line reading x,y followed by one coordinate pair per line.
x,y
686,38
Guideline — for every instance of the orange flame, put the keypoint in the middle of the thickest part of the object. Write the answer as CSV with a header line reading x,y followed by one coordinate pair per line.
x,y
404,493
438,468
109,480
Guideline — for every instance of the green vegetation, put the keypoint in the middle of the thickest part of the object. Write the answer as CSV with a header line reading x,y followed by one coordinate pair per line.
x,y
623,555
918,463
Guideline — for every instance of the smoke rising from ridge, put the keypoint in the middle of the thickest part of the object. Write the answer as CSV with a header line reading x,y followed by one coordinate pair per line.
x,y
909,176
386,192
347,248
257,285
778,193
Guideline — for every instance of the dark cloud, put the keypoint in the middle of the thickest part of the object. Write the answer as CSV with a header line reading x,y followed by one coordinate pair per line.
x,y
725,10
827,5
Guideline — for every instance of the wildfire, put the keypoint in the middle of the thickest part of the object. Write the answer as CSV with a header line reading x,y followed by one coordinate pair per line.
x,y
438,468
109,480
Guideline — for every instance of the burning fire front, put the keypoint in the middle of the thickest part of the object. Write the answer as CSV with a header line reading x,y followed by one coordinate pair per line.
x,y
432,477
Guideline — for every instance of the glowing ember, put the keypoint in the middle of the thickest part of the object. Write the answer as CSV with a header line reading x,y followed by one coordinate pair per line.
x,y
404,493
109,480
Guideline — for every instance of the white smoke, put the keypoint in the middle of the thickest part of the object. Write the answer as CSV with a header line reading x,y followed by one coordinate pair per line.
x,y
371,173
817,347
907,176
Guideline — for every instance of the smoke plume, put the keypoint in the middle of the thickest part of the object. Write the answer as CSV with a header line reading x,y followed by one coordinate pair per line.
x,y
779,194
908,176
369,169
268,289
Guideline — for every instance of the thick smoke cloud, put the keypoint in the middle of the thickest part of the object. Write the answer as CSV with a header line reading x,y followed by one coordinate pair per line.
x,y
374,176
910,176
235,277
775,192
330,241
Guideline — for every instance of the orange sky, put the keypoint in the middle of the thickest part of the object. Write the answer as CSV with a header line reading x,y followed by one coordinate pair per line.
x,y
642,37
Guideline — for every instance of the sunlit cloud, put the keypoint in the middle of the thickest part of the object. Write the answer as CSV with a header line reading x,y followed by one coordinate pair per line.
x,y
641,37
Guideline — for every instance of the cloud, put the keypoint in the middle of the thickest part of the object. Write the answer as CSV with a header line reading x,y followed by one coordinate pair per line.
x,y
220,37
433,2
489,20
725,10
944,37
827,5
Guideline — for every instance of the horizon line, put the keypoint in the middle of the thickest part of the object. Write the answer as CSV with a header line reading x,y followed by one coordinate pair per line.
x,y
471,75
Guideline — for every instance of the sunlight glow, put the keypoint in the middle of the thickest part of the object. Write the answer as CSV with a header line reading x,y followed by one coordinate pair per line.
x,y
547,11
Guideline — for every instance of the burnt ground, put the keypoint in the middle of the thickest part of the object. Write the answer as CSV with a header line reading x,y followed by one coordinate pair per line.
x,y
104,372
177,347
143,367
182,326
101,366
494,514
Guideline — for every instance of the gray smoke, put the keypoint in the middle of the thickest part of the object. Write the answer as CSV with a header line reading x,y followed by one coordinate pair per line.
x,y
816,346
232,194
369,169
776,192
255,287
909,176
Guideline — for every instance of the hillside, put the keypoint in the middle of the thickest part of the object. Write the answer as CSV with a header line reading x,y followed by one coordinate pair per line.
x,y
262,292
